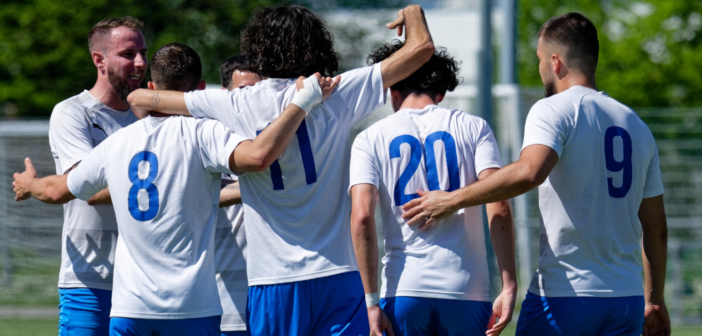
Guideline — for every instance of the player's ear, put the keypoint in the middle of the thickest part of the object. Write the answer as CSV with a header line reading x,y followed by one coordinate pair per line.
x,y
439,97
201,85
98,60
151,85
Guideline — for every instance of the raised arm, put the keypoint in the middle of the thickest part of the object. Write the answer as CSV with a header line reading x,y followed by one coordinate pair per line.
x,y
417,50
365,245
257,155
51,189
501,226
655,248
532,169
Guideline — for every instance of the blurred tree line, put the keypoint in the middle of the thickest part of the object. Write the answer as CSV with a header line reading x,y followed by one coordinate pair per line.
x,y
650,50
44,55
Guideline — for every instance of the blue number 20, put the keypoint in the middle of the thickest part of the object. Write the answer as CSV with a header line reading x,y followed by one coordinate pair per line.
x,y
146,184
617,166
303,140
430,158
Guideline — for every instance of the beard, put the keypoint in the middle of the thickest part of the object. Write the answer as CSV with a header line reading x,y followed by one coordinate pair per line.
x,y
549,88
119,84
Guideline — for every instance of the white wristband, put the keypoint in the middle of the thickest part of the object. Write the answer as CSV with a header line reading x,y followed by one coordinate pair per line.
x,y
372,299
309,96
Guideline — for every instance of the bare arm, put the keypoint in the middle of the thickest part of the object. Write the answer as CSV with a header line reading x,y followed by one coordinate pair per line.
x,y
501,226
365,245
143,101
230,194
417,50
257,155
532,169
655,248
102,197
51,189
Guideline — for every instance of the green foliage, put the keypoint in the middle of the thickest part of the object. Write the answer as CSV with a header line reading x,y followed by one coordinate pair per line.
x,y
44,54
650,51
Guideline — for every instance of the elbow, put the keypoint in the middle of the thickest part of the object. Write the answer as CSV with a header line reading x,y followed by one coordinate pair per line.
x,y
360,220
55,197
533,177
259,162
424,49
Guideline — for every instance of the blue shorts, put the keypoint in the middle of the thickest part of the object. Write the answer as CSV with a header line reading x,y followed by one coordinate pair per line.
x,y
203,326
425,316
234,333
575,316
84,312
333,305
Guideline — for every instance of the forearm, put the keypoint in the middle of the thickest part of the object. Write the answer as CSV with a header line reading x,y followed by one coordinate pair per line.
x,y
502,236
655,247
418,48
51,189
365,243
260,153
102,197
508,182
230,195
143,101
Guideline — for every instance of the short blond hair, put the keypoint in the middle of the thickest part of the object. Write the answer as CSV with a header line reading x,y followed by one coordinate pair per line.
x,y
103,29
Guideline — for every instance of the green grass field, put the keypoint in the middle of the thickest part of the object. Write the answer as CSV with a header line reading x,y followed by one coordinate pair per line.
x,y
48,327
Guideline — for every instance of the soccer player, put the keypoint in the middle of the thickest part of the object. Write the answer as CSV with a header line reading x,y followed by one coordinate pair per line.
x,y
230,238
164,177
303,277
78,124
237,72
596,165
435,279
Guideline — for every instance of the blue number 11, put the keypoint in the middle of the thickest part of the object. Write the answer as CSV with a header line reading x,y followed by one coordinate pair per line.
x,y
303,140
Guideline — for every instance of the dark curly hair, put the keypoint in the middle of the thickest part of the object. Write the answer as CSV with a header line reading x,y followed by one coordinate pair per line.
x,y
289,41
437,76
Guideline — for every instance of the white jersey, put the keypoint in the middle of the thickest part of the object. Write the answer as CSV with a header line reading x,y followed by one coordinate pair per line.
x,y
230,264
89,237
297,215
164,176
608,162
429,149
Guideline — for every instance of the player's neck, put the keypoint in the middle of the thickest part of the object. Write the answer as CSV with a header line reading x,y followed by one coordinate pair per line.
x,y
105,93
575,80
417,101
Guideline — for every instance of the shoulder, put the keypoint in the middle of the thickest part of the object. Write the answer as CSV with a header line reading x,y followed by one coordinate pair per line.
x,y
73,106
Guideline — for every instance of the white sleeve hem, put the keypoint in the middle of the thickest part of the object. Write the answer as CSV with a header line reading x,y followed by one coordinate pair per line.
x,y
73,188
551,145
361,181
487,165
653,193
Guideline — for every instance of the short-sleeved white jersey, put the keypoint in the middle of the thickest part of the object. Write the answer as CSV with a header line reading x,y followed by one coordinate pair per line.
x,y
230,264
608,162
89,237
164,176
429,149
297,213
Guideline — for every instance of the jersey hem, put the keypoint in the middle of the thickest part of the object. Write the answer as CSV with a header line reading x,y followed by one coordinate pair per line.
x,y
164,316
587,293
303,277
233,327
438,295
86,285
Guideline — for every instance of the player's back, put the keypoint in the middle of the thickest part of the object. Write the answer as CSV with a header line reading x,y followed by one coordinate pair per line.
x,y
296,211
164,176
428,149
608,162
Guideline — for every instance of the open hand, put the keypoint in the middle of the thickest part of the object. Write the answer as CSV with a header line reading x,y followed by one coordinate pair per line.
x,y
431,207
399,22
656,320
23,181
379,322
502,309
327,84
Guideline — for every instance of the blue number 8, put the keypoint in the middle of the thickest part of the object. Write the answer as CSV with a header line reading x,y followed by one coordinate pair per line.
x,y
146,184
617,166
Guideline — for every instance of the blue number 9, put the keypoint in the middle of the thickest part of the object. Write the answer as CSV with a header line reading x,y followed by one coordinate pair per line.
x,y
617,166
146,184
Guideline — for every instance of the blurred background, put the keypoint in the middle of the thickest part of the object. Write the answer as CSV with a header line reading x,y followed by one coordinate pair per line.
x,y
650,59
